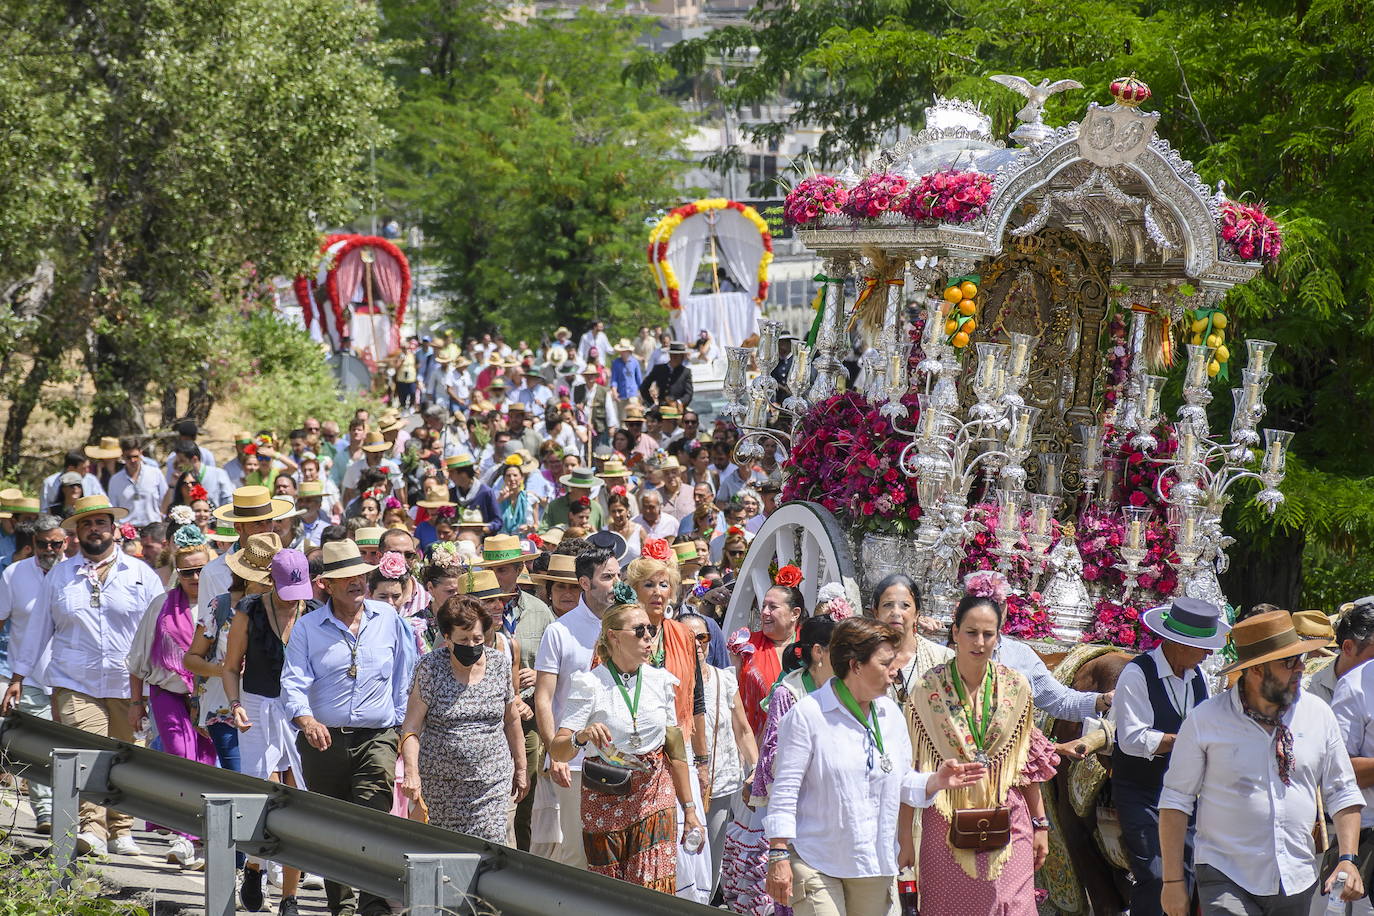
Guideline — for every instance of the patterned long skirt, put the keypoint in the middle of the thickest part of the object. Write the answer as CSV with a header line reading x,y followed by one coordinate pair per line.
x,y
634,837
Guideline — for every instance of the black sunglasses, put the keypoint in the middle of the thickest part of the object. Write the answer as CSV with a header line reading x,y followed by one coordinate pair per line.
x,y
703,638
641,630
51,545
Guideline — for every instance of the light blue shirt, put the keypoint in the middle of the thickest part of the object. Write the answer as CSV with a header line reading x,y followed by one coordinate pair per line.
x,y
315,681
1059,701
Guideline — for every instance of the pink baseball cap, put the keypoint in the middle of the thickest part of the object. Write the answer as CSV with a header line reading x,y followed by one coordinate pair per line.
x,y
291,576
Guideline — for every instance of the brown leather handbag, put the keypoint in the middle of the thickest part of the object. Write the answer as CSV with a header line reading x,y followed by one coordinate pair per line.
x,y
981,829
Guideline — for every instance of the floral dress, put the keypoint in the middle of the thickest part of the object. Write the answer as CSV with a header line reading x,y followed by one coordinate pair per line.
x,y
465,762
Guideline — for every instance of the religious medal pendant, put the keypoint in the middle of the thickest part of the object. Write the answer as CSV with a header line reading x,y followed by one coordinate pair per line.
x,y
353,672
886,763
635,740
981,757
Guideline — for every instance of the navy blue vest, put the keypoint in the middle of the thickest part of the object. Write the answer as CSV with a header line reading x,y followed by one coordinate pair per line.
x,y
1150,773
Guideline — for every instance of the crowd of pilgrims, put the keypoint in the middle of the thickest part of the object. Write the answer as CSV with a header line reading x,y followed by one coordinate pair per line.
x,y
500,606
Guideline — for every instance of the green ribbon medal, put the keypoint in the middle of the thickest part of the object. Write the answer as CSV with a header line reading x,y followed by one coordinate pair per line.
x,y
632,706
869,722
977,729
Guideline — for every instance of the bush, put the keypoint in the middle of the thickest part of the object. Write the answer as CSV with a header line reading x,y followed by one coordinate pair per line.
x,y
26,890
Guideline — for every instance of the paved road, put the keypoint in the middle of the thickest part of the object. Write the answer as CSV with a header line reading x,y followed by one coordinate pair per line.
x,y
161,887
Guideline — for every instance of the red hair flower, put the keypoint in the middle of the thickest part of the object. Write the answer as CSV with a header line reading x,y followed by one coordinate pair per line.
x,y
582,503
735,531
199,492
129,532
250,449
618,490
655,549
788,577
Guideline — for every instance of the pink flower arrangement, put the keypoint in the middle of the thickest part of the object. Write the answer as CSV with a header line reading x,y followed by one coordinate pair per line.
x,y
1026,617
876,195
1119,625
812,198
1118,361
950,196
1253,235
392,565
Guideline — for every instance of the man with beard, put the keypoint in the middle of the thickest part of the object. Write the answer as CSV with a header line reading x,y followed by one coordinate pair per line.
x,y
40,546
1155,694
1252,764
345,684
82,624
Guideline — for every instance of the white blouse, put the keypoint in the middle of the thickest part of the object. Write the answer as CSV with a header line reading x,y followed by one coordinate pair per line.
x,y
596,698
722,690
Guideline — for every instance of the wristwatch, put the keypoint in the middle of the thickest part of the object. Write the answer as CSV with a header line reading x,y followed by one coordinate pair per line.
x,y
1040,823
576,743
1349,857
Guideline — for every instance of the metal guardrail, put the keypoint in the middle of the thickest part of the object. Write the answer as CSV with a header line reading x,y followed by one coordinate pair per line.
x,y
433,871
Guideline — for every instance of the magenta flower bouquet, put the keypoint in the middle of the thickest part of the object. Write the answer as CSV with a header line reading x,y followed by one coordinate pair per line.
x,y
876,195
1252,234
813,198
949,196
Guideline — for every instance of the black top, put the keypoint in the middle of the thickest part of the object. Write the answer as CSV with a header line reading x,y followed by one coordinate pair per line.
x,y
1150,773
674,384
265,653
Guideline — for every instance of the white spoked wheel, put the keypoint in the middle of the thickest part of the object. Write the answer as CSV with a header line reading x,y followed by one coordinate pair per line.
x,y
803,534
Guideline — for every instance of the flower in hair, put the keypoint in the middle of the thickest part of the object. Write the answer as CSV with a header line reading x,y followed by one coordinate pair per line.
x,y
392,565
444,512
582,503
701,588
988,584
734,531
199,492
188,535
444,554
623,594
618,490
393,503
513,461
839,609
182,515
655,549
788,577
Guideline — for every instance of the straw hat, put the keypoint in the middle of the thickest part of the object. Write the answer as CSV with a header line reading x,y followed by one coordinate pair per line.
x,y
436,496
613,468
368,537
98,504
669,412
481,583
243,437
224,534
1268,637
253,561
554,536
633,414
108,448
686,552
252,504
503,550
459,461
311,488
1189,621
471,518
670,464
624,346
373,442
584,478
342,560
562,568
1315,625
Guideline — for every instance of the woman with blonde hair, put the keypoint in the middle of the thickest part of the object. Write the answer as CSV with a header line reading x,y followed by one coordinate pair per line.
x,y
624,714
655,581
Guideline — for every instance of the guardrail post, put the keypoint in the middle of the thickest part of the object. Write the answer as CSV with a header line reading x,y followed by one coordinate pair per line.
x,y
73,772
440,885
229,819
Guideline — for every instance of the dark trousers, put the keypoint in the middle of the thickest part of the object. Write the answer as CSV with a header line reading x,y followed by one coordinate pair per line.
x,y
534,753
359,766
1137,807
405,393
1220,896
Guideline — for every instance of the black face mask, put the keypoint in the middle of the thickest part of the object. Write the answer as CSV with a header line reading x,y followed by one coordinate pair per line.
x,y
468,655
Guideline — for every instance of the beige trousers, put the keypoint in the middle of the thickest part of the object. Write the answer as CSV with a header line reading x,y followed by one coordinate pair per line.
x,y
99,716
570,851
815,894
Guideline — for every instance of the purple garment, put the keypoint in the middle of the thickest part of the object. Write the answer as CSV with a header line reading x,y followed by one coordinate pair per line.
x,y
178,733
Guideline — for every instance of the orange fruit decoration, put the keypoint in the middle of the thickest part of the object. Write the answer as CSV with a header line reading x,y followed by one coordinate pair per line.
x,y
967,307
969,289
953,294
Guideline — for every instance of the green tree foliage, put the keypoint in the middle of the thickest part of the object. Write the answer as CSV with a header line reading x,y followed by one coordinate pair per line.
x,y
529,162
1276,99
158,154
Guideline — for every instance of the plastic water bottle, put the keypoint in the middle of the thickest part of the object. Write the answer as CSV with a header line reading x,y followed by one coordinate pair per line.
x,y
695,839
1335,906
909,898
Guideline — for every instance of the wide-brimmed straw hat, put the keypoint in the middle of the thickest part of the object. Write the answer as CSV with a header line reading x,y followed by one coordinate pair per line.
x,y
562,568
1265,638
252,504
580,477
613,468
459,461
253,560
368,537
436,496
686,552
471,518
1189,621
1316,625
503,550
97,504
108,447
375,442
342,560
481,583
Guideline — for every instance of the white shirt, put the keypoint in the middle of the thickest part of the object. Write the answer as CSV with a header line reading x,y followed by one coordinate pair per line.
x,y
591,339
88,643
142,497
215,579
1322,685
565,650
596,698
1132,709
90,486
725,769
1351,703
839,812
458,384
1250,826
665,527
20,585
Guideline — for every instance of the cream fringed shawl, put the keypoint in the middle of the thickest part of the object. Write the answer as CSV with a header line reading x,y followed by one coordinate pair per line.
x,y
940,732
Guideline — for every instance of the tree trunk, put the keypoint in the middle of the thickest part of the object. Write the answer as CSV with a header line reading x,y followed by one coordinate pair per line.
x,y
200,401
25,398
169,406
121,387
1271,574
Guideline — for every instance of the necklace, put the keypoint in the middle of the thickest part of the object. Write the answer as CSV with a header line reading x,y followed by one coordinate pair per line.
x,y
632,705
978,729
869,722
660,650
